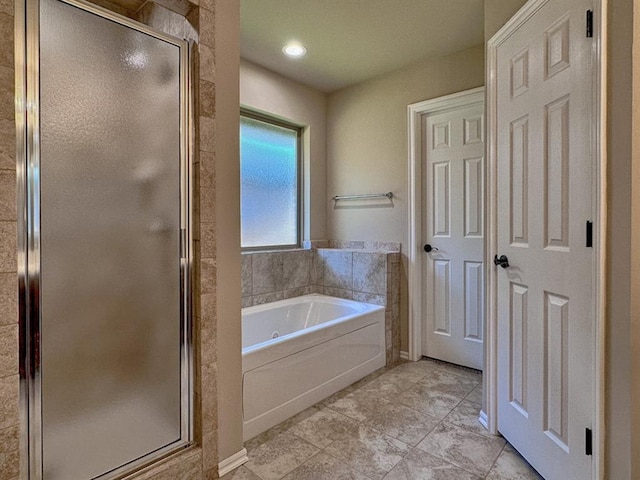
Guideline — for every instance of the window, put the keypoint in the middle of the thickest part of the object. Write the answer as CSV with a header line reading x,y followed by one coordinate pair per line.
x,y
269,183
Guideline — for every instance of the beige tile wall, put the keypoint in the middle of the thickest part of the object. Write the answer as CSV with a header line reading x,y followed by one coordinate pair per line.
x,y
200,461
272,276
206,367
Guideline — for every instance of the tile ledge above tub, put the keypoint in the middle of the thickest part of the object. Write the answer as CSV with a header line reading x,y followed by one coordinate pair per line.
x,y
351,245
276,250
359,250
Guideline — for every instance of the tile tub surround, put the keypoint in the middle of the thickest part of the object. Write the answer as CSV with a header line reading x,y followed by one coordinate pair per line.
x,y
367,431
350,271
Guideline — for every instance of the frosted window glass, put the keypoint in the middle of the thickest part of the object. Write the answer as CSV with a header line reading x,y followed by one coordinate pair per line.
x,y
269,184
110,260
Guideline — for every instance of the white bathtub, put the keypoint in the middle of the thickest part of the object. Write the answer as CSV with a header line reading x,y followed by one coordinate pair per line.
x,y
322,344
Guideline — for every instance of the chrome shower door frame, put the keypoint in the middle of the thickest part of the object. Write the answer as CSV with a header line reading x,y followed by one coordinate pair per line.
x,y
27,99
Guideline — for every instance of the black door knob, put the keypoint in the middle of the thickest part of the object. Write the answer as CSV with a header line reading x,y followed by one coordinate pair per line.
x,y
428,248
503,261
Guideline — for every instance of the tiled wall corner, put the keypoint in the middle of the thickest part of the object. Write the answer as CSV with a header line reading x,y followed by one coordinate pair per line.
x,y
204,190
370,277
393,304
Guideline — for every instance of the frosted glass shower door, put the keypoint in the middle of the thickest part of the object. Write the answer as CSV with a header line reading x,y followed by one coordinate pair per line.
x,y
112,292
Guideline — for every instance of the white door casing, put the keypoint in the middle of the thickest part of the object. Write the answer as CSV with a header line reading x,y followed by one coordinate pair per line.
x,y
542,114
453,224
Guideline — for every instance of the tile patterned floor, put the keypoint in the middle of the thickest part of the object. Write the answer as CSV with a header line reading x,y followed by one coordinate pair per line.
x,y
417,421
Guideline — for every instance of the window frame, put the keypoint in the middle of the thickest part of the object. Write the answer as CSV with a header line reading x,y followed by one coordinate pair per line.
x,y
279,122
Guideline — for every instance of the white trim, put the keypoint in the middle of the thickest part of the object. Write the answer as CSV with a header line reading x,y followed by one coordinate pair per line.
x,y
600,8
232,462
484,421
404,355
415,112
489,415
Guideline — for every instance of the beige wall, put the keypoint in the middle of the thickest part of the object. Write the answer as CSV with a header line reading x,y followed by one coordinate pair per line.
x,y
367,148
269,92
497,13
635,240
619,365
227,237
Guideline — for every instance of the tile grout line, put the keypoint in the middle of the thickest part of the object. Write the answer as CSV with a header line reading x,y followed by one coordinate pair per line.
x,y
307,460
288,430
496,460
345,463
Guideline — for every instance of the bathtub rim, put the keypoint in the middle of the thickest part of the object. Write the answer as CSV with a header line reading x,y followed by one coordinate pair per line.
x,y
364,309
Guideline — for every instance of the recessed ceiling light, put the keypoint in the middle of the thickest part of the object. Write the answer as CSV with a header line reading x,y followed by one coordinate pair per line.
x,y
294,49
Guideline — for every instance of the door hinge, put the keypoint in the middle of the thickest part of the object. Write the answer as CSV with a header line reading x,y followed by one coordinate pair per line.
x,y
589,234
588,442
589,23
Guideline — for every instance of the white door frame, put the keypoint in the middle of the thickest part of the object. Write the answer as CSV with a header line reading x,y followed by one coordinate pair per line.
x,y
489,414
415,112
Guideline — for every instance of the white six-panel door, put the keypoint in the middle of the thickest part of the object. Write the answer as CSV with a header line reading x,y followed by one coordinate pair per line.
x,y
544,184
453,189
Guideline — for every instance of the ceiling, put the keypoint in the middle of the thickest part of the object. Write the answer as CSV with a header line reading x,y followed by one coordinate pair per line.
x,y
350,41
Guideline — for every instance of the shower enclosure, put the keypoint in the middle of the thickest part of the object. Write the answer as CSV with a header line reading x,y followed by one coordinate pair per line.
x,y
104,241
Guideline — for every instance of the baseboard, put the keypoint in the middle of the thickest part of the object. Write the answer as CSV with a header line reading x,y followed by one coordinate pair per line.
x,y
483,419
404,355
232,462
